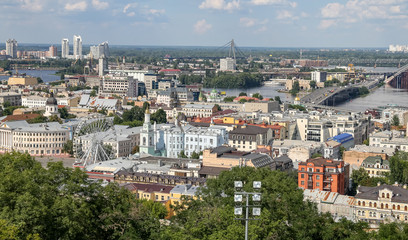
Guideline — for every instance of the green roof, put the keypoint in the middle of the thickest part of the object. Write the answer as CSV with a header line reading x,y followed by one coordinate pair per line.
x,y
372,160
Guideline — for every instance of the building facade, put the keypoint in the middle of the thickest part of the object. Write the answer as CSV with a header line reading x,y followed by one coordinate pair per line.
x,y
77,47
247,138
11,48
65,48
324,174
14,99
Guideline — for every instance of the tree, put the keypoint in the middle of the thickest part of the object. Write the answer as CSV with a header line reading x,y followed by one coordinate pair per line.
x,y
366,142
39,119
242,94
218,107
295,88
277,98
395,121
257,95
6,104
93,93
182,154
229,99
242,100
117,120
195,155
54,118
159,116
313,84
316,155
341,151
363,91
69,147
135,149
60,203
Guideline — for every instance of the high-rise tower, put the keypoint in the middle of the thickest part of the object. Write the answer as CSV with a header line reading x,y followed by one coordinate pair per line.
x,y
64,48
11,48
77,47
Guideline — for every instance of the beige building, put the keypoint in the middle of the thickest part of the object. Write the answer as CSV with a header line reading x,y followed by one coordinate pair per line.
x,y
198,110
36,139
21,80
376,166
263,106
355,156
247,138
381,204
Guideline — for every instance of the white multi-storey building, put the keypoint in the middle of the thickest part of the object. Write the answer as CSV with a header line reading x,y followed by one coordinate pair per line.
x,y
101,50
227,64
136,74
77,47
319,76
11,48
64,48
119,85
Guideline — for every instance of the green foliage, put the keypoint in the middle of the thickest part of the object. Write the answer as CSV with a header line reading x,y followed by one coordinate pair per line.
x,y
331,82
229,99
5,64
93,93
218,107
312,84
60,203
242,94
64,113
229,80
159,116
195,155
300,107
135,149
117,120
341,151
69,147
190,79
39,119
242,100
182,154
9,110
316,155
399,168
395,121
39,80
361,177
6,104
366,142
284,214
54,118
295,88
135,113
363,91
277,98
257,95
77,88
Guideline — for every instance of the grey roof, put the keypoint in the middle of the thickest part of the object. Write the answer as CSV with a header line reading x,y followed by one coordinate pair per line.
x,y
185,189
249,130
372,160
222,149
259,160
283,159
84,99
371,193
112,166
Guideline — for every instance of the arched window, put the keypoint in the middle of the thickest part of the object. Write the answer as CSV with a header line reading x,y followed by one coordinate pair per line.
x,y
388,195
144,143
370,204
382,205
398,207
363,203
383,196
375,205
359,203
393,206
386,206
405,208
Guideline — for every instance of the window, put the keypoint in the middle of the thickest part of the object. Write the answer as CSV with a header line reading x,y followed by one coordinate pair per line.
x,y
302,175
302,183
317,177
317,184
388,195
162,198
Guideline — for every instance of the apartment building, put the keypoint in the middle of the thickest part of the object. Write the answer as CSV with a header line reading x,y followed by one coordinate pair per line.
x,y
375,166
247,137
324,174
119,85
14,99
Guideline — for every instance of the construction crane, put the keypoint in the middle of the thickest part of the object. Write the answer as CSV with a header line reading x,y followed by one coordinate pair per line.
x,y
351,72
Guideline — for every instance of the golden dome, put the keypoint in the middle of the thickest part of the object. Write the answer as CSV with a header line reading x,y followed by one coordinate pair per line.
x,y
147,110
297,98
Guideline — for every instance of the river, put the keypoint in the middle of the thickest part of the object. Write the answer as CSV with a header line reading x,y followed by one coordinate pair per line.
x,y
380,97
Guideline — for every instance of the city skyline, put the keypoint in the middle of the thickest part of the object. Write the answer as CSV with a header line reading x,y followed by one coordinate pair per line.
x,y
252,23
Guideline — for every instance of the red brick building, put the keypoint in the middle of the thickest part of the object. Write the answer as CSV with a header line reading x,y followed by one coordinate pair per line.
x,y
324,174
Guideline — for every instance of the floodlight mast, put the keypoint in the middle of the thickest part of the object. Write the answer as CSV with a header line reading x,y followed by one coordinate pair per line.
x,y
256,198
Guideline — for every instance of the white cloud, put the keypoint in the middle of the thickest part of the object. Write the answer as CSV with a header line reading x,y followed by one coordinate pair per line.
x,y
274,2
33,5
128,7
77,6
157,11
220,4
285,15
100,5
247,22
354,10
202,26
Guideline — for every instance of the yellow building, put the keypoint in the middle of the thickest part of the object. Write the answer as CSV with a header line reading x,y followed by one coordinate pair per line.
x,y
22,80
381,204
154,192
180,193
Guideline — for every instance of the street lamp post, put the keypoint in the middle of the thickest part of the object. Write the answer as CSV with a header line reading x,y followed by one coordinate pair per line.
x,y
239,196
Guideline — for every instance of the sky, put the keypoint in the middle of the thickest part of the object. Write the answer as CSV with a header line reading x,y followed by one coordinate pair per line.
x,y
251,23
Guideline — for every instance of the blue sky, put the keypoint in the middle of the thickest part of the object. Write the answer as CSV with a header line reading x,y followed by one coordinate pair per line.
x,y
266,23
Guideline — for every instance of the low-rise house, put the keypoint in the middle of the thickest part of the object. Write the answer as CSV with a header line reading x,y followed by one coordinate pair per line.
x,y
247,138
376,166
356,155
